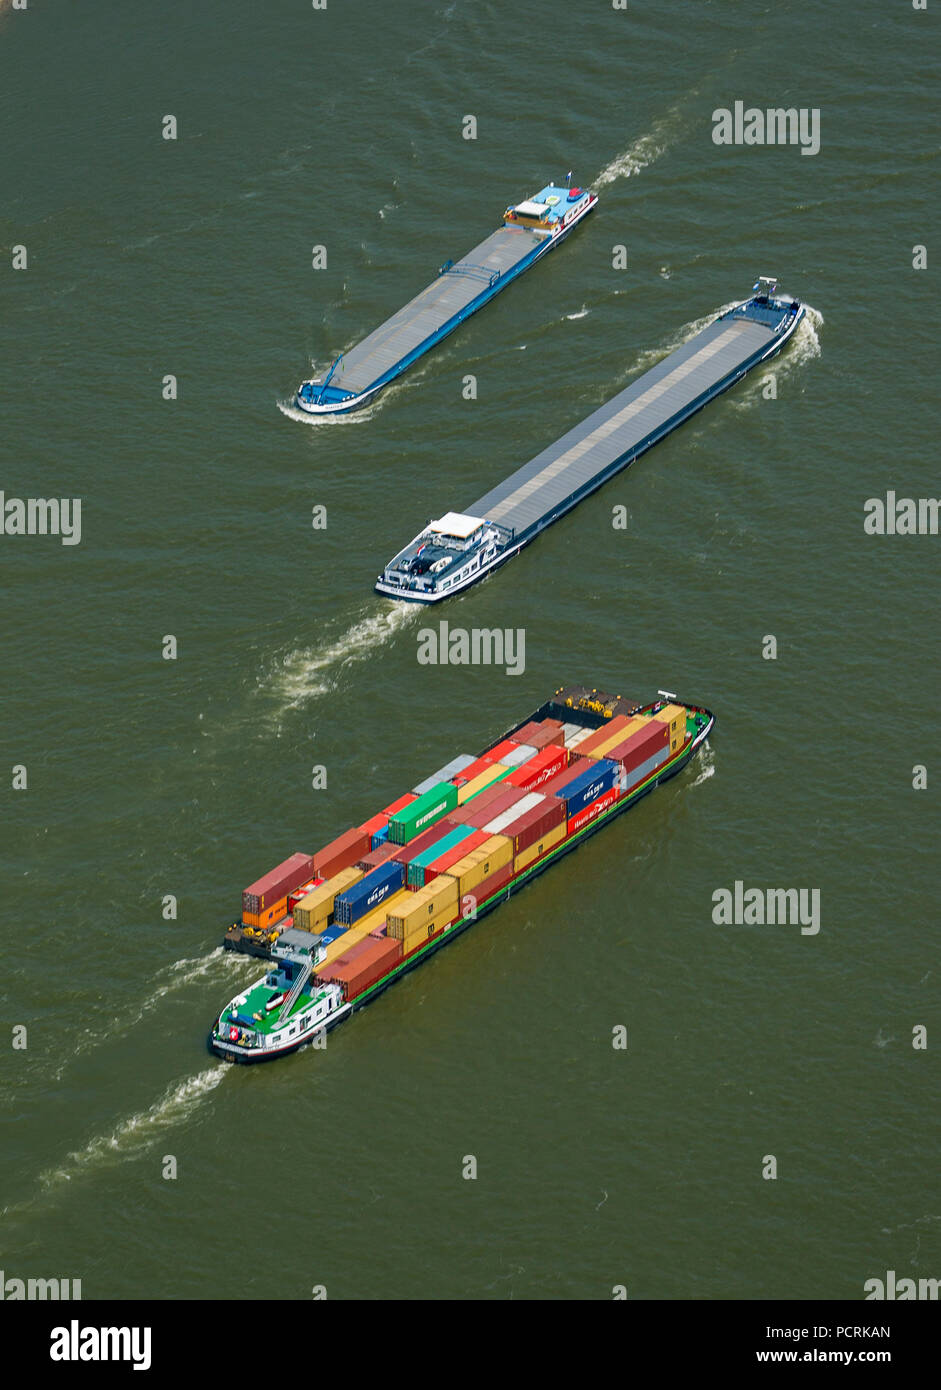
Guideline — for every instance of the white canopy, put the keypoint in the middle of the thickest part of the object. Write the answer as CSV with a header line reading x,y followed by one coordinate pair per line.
x,y
532,209
456,524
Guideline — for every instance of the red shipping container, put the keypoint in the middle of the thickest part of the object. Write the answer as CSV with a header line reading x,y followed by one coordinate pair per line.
x,y
470,811
576,766
484,814
456,852
341,853
534,824
597,808
486,889
637,748
375,857
540,733
375,824
363,964
399,805
500,750
277,883
548,763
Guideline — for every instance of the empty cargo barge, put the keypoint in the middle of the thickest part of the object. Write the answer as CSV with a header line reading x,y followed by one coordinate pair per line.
x,y
530,230
460,548
341,925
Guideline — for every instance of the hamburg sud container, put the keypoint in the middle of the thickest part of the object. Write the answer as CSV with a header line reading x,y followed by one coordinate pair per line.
x,y
421,813
586,786
372,890
542,767
266,899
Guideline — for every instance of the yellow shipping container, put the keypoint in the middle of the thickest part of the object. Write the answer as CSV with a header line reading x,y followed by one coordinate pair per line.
x,y
362,928
543,846
439,895
312,912
492,855
601,750
675,716
424,931
482,780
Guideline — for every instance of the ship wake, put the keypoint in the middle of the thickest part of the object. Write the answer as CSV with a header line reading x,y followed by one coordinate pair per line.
x,y
309,673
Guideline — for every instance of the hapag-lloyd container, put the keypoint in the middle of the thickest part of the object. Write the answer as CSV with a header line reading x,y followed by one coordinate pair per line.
x,y
275,885
341,853
371,891
541,768
594,810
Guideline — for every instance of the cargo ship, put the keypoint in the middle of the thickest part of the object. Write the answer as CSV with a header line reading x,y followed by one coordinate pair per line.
x,y
339,926
530,230
460,548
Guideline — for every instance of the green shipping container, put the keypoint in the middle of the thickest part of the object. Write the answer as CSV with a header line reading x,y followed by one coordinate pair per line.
x,y
422,813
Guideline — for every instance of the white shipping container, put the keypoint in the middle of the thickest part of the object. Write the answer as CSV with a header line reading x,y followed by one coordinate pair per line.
x,y
496,827
518,756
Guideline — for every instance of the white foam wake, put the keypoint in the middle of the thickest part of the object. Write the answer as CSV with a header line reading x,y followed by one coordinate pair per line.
x,y
707,763
167,980
138,1132
642,152
309,673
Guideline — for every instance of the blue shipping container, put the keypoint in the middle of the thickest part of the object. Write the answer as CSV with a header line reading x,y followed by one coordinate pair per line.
x,y
372,890
379,838
328,937
588,786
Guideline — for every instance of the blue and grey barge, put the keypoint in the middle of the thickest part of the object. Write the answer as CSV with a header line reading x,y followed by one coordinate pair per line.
x,y
460,548
530,230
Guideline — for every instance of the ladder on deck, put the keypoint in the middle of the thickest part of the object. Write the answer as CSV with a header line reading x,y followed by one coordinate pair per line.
x,y
295,991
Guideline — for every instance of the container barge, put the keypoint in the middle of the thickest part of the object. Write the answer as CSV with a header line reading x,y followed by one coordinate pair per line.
x,y
341,925
530,230
460,548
